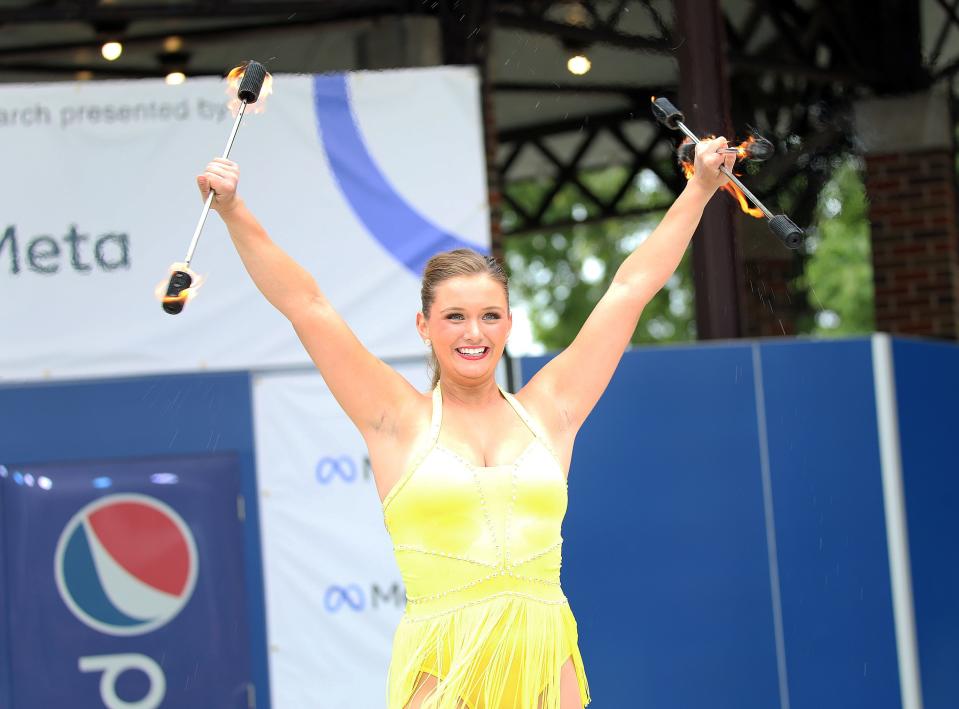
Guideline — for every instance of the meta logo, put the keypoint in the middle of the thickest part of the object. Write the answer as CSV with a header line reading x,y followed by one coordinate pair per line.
x,y
341,467
352,597
110,252
126,564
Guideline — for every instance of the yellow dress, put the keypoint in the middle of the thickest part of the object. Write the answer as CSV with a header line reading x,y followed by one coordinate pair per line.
x,y
480,549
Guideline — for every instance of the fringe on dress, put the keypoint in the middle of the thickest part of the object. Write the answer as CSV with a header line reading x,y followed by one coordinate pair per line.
x,y
505,652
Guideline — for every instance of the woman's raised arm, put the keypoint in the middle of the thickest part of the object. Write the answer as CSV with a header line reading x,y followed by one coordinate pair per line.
x,y
371,392
574,380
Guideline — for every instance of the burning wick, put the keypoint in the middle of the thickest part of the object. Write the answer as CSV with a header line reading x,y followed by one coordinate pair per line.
x,y
234,80
686,152
181,286
249,82
755,148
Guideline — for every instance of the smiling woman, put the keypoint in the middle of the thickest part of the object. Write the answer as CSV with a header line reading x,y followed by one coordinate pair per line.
x,y
465,301
472,479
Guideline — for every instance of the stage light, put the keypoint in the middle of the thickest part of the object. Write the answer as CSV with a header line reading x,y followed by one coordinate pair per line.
x,y
173,43
579,64
174,65
111,50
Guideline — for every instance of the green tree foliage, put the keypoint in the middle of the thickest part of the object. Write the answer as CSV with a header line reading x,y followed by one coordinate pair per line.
x,y
838,276
560,274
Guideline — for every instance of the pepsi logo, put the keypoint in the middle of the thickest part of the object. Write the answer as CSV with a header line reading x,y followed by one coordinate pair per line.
x,y
126,564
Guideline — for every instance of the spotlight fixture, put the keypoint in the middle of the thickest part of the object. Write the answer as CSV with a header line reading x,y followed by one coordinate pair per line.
x,y
173,43
578,64
174,64
110,33
111,50
577,61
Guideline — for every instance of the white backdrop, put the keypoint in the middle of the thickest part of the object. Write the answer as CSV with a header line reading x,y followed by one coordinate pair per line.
x,y
333,590
99,199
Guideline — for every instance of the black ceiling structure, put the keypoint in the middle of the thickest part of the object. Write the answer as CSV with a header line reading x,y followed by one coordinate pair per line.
x,y
794,68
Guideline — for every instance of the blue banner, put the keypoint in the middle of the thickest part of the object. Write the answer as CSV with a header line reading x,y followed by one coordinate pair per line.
x,y
126,583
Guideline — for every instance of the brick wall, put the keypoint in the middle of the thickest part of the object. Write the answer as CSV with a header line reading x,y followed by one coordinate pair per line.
x,y
915,252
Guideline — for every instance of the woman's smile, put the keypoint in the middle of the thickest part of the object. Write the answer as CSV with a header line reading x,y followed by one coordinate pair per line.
x,y
472,353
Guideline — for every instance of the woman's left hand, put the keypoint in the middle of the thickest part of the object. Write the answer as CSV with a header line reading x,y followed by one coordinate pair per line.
x,y
707,162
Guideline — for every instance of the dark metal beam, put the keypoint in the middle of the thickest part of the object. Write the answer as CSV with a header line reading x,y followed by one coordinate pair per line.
x,y
573,87
582,34
226,33
704,96
98,12
758,64
529,228
100,69
461,30
567,174
952,21
567,125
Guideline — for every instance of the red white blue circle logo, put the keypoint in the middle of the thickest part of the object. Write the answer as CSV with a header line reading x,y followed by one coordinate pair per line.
x,y
126,564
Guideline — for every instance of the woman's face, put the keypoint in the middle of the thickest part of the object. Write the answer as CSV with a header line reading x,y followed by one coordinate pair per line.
x,y
469,313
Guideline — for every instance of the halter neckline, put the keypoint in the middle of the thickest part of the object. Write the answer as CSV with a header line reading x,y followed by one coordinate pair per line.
x,y
432,445
437,420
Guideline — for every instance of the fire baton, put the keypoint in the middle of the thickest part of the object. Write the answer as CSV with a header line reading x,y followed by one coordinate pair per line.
x,y
756,149
254,74
780,225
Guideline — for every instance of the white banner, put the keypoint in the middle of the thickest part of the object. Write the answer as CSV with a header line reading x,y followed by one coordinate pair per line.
x,y
359,177
334,594
333,591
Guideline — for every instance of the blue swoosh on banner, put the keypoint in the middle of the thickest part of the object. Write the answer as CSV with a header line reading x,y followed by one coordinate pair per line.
x,y
406,234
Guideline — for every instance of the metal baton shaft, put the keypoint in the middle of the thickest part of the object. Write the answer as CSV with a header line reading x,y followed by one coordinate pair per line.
x,y
209,197
779,224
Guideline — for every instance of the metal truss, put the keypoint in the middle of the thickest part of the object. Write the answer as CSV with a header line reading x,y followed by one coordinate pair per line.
x,y
794,67
941,63
794,70
96,11
568,172
597,23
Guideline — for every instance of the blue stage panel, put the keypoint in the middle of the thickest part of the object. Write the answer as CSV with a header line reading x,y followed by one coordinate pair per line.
x,y
141,417
927,393
830,526
665,559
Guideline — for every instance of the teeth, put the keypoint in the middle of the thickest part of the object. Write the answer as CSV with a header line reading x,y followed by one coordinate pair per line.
x,y
471,350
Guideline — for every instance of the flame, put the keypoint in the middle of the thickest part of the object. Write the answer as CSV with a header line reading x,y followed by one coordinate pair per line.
x,y
233,80
743,202
743,149
187,294
736,193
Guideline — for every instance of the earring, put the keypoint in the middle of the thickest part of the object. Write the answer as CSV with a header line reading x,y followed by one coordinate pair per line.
x,y
426,342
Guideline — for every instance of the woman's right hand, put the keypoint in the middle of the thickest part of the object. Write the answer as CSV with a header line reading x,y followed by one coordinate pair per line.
x,y
221,175
709,158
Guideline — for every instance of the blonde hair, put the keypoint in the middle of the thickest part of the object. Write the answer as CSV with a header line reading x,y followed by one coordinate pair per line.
x,y
449,264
